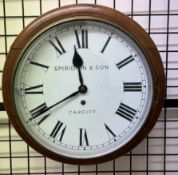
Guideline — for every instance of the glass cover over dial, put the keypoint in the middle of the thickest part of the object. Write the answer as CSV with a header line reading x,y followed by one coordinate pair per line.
x,y
83,88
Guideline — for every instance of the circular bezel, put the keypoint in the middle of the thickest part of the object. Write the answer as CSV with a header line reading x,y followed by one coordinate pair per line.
x,y
88,12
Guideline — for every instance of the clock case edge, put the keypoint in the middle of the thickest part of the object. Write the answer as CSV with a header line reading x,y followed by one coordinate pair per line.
x,y
85,11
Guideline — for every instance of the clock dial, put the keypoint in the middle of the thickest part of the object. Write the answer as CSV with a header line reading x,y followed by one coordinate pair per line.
x,y
82,88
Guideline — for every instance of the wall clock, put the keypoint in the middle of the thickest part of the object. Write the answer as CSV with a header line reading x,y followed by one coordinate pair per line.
x,y
83,84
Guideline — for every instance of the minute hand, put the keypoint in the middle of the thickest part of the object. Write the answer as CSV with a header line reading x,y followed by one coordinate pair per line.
x,y
43,110
71,95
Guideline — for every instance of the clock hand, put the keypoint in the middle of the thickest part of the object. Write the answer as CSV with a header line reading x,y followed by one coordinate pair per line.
x,y
78,62
42,110
64,99
81,89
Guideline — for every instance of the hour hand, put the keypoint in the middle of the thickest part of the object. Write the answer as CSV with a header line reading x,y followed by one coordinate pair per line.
x,y
78,62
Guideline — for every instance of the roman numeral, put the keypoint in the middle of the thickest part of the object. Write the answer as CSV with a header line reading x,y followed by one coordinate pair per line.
x,y
126,112
38,111
40,118
83,138
59,130
43,119
132,86
58,47
109,131
83,41
38,64
34,90
125,61
105,45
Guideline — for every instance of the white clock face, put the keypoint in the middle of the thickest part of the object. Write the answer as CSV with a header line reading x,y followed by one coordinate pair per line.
x,y
83,89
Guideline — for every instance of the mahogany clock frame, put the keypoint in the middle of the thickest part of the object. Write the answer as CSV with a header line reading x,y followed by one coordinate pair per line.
x,y
97,13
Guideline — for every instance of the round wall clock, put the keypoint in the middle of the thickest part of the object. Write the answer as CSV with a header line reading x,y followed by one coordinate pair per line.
x,y
83,84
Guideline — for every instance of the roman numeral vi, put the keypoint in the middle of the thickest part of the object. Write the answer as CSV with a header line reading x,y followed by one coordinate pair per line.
x,y
83,138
